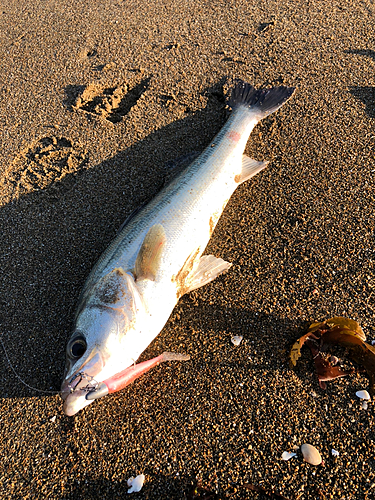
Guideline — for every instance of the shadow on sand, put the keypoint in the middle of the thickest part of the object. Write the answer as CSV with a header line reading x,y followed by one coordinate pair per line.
x,y
52,237
367,96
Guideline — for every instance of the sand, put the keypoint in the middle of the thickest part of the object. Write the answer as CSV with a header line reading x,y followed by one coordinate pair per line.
x,y
97,99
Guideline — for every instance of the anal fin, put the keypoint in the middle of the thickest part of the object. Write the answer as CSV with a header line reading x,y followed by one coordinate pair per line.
x,y
250,168
209,268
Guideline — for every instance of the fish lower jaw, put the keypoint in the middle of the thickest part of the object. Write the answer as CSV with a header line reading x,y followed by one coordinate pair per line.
x,y
74,403
73,393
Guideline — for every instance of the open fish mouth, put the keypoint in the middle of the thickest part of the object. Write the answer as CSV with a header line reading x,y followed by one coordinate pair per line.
x,y
80,382
82,389
75,387
74,391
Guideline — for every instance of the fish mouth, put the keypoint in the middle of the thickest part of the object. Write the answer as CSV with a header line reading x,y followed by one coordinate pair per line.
x,y
74,391
75,387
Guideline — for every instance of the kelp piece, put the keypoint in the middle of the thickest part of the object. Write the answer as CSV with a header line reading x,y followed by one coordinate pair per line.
x,y
365,355
341,323
323,367
295,352
347,324
336,331
341,336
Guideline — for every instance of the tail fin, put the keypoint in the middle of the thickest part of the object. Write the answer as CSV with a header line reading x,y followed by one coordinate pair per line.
x,y
263,101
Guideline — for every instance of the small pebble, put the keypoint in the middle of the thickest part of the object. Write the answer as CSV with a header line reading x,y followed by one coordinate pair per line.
x,y
236,339
136,483
363,395
311,455
335,453
364,405
53,419
287,456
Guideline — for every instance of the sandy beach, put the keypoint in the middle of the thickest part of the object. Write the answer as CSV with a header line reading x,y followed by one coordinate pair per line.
x,y
97,102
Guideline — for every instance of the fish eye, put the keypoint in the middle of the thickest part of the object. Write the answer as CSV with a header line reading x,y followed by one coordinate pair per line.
x,y
77,347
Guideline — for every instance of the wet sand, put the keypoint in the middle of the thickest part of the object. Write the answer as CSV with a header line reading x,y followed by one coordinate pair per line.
x,y
96,101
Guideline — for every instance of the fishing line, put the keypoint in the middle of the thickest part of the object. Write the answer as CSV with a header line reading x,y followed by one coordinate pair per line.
x,y
19,378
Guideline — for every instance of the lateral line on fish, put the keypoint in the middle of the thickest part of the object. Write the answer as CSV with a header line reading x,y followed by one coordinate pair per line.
x,y
20,379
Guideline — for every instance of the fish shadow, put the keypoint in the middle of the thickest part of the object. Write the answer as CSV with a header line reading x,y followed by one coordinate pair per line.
x,y
52,236
266,336
367,96
93,488
362,52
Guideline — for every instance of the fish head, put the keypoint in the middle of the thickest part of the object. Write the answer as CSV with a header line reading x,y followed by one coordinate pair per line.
x,y
92,353
105,341
83,364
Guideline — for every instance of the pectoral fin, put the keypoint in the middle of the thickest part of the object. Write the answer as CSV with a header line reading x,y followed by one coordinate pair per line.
x,y
209,267
149,255
250,168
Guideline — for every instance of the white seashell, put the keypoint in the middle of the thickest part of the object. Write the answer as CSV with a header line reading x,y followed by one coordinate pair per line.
x,y
136,483
364,405
53,419
363,395
236,339
287,456
335,453
311,455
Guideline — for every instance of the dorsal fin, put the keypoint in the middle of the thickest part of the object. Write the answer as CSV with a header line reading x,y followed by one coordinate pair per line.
x,y
149,255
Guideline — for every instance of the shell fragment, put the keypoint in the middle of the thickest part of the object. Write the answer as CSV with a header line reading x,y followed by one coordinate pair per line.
x,y
136,483
364,405
236,339
363,395
287,456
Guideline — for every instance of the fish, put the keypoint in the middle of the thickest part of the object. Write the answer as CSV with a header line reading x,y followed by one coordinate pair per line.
x,y
157,257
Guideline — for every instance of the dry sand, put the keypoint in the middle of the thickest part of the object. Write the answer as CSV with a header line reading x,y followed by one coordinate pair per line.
x,y
95,101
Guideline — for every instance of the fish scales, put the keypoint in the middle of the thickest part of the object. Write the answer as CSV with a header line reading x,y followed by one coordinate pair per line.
x,y
157,256
210,179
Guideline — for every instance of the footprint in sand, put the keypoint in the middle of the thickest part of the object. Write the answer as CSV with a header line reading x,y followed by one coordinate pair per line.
x,y
110,103
43,163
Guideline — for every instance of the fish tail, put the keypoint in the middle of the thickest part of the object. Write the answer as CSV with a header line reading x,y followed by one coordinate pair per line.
x,y
263,101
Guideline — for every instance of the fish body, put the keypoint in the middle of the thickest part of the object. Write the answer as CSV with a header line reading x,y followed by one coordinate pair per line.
x,y
157,257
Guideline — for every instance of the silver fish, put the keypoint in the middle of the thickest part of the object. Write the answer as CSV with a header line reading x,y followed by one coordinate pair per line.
x,y
157,257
